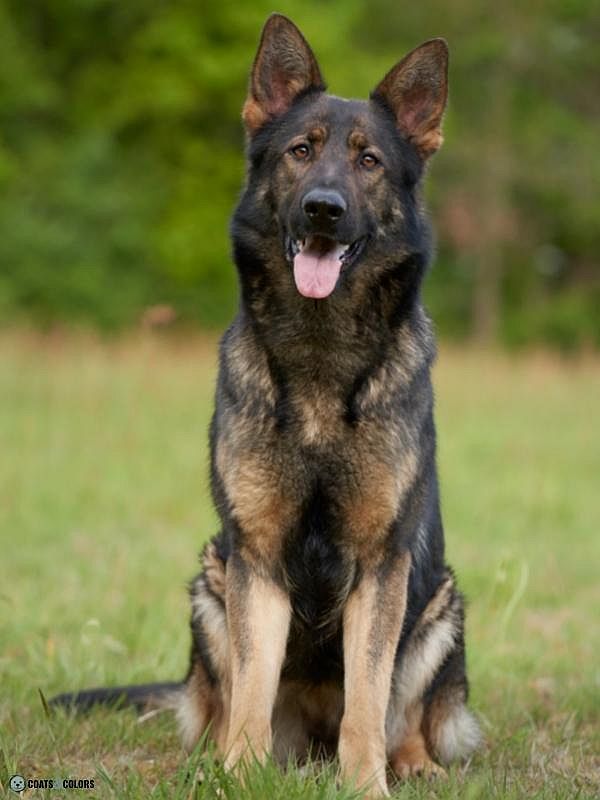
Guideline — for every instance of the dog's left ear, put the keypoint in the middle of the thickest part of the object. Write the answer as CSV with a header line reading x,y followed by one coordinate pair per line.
x,y
284,67
416,90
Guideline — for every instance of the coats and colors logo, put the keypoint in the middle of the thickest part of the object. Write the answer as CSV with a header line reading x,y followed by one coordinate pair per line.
x,y
18,783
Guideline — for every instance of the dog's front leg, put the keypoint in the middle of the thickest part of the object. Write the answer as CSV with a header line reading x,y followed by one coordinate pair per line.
x,y
372,622
258,619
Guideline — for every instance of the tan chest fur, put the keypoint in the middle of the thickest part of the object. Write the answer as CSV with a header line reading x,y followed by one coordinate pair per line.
x,y
269,474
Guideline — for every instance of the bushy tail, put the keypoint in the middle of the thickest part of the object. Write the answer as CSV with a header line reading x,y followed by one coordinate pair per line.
x,y
144,697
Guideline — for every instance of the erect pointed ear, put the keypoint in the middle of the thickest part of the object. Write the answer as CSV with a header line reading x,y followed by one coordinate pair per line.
x,y
416,90
284,67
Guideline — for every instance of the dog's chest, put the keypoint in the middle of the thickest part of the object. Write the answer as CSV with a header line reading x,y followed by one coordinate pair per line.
x,y
318,480
317,417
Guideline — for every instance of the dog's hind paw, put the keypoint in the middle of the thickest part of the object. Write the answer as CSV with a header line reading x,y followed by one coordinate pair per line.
x,y
424,768
412,759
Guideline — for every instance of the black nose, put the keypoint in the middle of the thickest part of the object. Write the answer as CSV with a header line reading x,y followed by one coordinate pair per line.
x,y
324,206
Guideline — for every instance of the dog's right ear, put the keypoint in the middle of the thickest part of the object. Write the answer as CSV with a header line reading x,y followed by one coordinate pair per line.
x,y
284,68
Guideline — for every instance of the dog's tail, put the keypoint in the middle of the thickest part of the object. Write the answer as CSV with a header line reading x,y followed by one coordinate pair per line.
x,y
144,697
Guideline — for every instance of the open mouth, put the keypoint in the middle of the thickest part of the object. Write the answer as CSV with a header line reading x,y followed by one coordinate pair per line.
x,y
318,261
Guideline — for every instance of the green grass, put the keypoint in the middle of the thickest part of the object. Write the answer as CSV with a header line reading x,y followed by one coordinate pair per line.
x,y
104,503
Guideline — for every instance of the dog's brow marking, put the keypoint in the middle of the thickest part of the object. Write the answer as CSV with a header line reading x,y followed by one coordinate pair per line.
x,y
358,140
318,134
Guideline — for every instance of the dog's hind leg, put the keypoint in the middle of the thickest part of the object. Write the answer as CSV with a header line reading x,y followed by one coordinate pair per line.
x,y
412,757
204,700
427,718
450,729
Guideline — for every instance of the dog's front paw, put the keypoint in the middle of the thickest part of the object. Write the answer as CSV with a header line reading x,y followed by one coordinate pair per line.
x,y
362,763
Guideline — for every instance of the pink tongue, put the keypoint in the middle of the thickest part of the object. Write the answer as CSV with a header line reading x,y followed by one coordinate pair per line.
x,y
316,273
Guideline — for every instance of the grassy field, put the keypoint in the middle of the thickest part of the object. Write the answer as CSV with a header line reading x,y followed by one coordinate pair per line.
x,y
104,504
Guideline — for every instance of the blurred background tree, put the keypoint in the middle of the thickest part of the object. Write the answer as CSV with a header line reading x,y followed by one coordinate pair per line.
x,y
121,156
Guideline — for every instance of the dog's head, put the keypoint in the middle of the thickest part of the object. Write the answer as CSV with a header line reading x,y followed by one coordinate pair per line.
x,y
336,179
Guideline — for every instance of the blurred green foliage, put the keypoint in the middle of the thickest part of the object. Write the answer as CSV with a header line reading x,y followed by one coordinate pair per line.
x,y
121,155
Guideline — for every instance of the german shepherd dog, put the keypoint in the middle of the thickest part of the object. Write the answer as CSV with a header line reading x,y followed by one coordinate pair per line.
x,y
325,617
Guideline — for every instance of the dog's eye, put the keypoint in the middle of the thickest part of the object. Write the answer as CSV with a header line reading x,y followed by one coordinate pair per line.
x,y
300,151
368,161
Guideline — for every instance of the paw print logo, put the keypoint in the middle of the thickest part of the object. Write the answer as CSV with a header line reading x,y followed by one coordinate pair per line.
x,y
17,783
